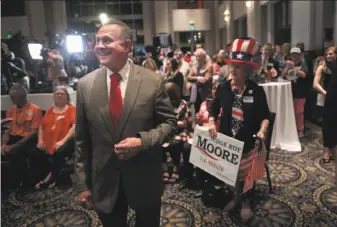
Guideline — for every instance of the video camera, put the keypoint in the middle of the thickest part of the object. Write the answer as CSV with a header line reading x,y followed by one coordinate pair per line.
x,y
44,53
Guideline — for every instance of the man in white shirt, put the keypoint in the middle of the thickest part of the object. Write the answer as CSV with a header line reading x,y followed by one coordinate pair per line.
x,y
123,115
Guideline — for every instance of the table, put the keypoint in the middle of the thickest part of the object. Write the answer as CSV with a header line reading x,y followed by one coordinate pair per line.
x,y
280,101
43,100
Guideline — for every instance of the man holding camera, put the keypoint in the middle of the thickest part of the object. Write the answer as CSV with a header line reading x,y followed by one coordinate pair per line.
x,y
55,67
13,69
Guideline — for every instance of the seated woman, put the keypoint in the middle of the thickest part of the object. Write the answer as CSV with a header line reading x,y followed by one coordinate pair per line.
x,y
179,143
55,138
245,113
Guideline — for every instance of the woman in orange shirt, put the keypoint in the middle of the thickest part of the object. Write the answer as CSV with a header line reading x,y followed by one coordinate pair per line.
x,y
56,134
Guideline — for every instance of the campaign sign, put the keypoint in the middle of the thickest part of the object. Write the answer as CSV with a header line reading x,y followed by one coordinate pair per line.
x,y
219,156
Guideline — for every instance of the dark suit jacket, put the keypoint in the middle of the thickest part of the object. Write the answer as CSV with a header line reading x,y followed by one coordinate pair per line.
x,y
147,113
253,112
275,63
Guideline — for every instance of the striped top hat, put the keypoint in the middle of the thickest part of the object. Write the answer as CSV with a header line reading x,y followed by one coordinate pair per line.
x,y
243,50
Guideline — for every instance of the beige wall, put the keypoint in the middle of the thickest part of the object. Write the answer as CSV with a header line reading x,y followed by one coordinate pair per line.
x,y
181,18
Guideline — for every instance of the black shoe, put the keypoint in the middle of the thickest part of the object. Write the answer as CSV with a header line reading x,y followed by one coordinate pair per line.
x,y
188,184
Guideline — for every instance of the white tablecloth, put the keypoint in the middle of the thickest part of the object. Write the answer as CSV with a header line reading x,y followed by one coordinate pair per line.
x,y
280,101
44,100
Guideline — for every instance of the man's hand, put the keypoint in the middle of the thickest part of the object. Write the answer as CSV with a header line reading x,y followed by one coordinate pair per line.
x,y
58,144
41,145
273,72
4,149
84,198
181,124
202,80
9,148
6,120
128,148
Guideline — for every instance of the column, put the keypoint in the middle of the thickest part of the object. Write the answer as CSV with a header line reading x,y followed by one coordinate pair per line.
x,y
211,35
224,39
148,22
270,23
319,25
162,17
302,21
216,25
59,17
176,39
171,6
242,27
230,25
335,24
36,19
253,20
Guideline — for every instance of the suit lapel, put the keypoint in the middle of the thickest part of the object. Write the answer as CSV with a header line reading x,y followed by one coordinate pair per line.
x,y
131,93
101,92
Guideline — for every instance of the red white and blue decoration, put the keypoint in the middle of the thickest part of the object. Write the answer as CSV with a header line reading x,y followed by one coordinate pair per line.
x,y
243,50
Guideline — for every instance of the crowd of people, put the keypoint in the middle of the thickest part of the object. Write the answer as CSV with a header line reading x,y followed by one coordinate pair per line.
x,y
131,120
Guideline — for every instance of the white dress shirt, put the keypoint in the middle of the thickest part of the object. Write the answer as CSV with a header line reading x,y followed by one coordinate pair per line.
x,y
124,72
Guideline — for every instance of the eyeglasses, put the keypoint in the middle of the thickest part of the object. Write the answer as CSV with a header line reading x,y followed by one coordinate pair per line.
x,y
60,94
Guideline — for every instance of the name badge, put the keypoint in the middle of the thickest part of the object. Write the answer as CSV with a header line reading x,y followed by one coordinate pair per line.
x,y
248,99
59,117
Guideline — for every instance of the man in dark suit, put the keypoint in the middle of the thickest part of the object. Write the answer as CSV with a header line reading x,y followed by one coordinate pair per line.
x,y
267,62
123,117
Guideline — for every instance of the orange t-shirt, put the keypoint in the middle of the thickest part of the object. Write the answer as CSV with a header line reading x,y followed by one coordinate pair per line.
x,y
25,119
55,126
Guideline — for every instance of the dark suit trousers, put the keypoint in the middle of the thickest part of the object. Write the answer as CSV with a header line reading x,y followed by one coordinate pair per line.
x,y
148,216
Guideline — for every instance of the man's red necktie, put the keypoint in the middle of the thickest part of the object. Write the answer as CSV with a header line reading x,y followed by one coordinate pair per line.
x,y
116,100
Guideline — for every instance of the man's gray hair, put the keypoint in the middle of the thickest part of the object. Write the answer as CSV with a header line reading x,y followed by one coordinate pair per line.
x,y
126,30
19,88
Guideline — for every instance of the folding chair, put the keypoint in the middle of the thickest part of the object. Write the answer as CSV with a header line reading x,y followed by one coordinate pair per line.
x,y
268,144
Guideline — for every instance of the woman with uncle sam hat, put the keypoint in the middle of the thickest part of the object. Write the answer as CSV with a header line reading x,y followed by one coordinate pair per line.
x,y
245,113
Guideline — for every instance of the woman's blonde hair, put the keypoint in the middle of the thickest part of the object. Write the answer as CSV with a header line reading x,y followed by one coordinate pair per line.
x,y
63,88
319,59
325,67
149,63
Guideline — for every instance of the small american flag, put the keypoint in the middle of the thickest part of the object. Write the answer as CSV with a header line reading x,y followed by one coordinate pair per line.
x,y
257,169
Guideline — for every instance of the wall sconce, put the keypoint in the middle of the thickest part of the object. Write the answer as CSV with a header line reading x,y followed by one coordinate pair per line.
x,y
226,15
249,4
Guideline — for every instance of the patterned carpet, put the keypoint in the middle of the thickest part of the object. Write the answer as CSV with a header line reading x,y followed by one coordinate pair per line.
x,y
304,195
